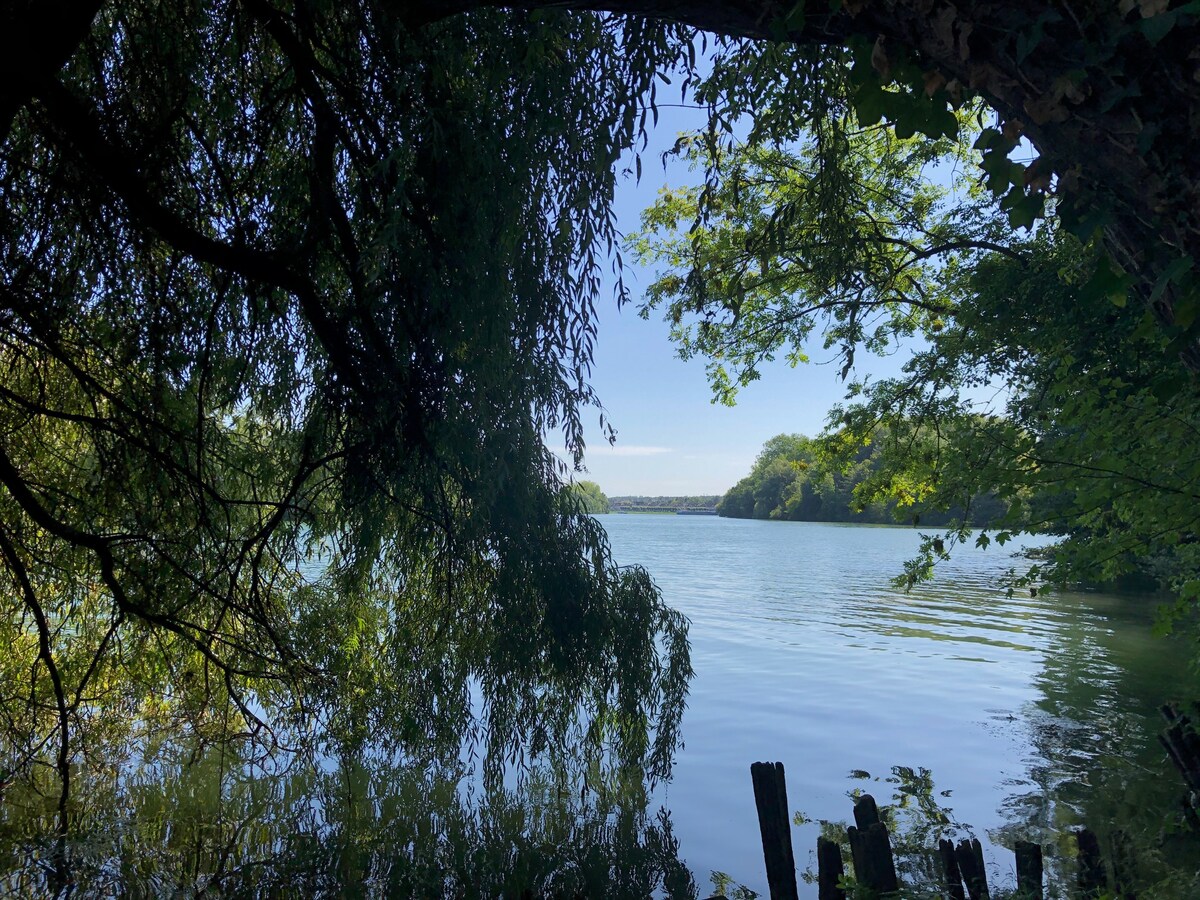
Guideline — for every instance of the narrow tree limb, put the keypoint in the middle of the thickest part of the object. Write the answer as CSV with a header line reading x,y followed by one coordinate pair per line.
x,y
46,653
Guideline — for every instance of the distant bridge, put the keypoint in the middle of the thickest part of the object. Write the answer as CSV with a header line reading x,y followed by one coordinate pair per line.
x,y
680,510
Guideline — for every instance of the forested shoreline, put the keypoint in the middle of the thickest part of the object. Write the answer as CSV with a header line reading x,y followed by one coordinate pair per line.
x,y
795,479
634,503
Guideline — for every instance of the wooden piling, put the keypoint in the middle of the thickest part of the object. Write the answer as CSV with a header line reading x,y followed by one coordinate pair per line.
x,y
871,848
829,871
1091,878
880,867
1029,870
770,796
1182,745
951,875
1191,740
962,865
1189,813
866,812
1123,862
970,862
858,853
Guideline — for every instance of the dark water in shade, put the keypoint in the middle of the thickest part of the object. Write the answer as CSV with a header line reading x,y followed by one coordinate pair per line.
x,y
1036,714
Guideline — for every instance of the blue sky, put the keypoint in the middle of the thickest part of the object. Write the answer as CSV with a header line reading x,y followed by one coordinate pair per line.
x,y
671,439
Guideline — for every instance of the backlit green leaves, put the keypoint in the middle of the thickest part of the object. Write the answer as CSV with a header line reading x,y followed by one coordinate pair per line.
x,y
1020,187
1090,434
1095,439
886,84
843,234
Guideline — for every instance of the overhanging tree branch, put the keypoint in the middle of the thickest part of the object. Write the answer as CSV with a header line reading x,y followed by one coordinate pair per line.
x,y
73,124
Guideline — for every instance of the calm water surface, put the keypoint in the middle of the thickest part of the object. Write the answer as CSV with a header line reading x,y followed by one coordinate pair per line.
x,y
1033,713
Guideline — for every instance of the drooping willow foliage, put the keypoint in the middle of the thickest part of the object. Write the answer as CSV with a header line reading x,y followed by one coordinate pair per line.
x,y
291,298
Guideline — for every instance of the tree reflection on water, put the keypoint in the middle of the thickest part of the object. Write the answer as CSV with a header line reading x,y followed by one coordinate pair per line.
x,y
209,823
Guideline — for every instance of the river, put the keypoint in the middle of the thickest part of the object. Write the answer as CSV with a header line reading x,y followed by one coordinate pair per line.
x,y
1032,713
1000,717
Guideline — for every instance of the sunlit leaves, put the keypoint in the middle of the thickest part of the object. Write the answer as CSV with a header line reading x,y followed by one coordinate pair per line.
x,y
1094,439
843,234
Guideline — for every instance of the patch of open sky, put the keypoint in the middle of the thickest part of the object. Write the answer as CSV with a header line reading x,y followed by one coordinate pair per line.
x,y
672,438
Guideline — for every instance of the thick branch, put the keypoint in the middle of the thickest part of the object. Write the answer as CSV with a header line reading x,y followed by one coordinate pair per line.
x,y
72,123
37,37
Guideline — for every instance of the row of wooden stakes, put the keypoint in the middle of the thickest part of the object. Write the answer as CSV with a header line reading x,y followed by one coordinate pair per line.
x,y
963,873
964,877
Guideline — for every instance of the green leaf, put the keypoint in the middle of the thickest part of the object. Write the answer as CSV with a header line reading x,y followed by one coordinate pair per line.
x,y
941,123
1174,272
1083,221
870,103
999,170
1158,27
1109,283
1147,327
1185,310
988,138
1166,389
1026,210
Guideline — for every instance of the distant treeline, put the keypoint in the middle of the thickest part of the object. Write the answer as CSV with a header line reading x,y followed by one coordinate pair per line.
x,y
705,501
793,479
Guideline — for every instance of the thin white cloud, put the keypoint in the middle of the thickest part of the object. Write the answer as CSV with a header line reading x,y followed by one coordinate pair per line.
x,y
624,450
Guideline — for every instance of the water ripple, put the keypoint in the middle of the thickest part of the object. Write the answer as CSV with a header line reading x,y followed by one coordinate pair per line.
x,y
805,653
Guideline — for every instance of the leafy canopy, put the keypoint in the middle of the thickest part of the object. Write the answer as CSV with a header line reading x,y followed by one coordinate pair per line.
x,y
812,221
1033,381
292,294
796,478
589,496
291,298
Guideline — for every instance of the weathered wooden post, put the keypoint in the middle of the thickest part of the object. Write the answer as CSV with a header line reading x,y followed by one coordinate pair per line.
x,y
1123,862
871,848
866,811
951,876
829,870
770,796
1029,870
858,854
1091,878
970,862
